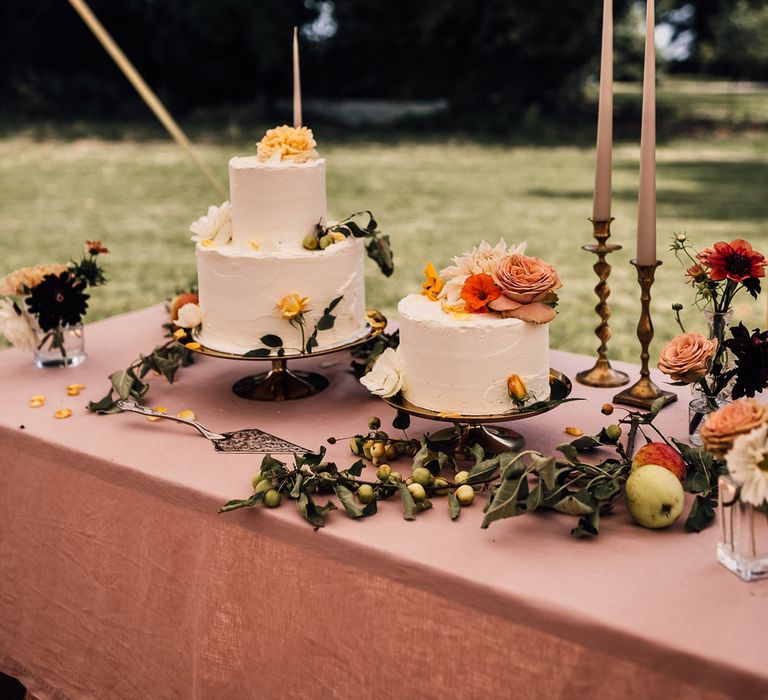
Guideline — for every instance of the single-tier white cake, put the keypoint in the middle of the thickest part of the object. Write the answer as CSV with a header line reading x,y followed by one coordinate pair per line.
x,y
462,365
265,264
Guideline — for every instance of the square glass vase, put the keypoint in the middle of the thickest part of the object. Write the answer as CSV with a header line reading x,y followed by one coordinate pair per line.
x,y
743,545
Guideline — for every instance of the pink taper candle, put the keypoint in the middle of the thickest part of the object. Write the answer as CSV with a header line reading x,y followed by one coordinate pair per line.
x,y
646,200
296,80
601,204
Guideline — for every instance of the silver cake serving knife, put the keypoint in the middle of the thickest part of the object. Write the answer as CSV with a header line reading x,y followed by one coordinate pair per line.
x,y
247,441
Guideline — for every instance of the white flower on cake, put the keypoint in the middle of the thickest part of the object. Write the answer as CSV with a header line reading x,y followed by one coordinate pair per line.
x,y
287,143
747,464
16,327
189,316
387,376
483,258
215,228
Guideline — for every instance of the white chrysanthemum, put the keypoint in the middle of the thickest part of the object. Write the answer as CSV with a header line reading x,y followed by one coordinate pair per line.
x,y
482,258
189,316
387,377
747,464
215,226
16,327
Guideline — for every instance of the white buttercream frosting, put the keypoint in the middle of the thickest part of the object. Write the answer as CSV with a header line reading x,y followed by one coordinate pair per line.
x,y
239,291
462,365
275,203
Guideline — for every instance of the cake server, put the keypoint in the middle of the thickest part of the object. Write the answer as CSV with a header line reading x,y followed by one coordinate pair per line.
x,y
247,441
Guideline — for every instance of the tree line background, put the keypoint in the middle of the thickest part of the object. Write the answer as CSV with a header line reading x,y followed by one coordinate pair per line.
x,y
495,56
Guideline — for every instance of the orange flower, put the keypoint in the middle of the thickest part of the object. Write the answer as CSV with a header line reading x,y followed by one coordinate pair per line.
x,y
95,247
433,285
735,261
478,291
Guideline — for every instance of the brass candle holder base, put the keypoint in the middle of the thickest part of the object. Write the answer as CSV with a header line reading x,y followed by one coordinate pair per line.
x,y
602,374
643,393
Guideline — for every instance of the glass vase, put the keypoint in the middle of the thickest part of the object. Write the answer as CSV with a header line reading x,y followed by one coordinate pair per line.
x,y
61,347
718,324
698,410
743,545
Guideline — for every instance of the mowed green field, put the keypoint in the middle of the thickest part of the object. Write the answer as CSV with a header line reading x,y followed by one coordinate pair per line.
x,y
434,198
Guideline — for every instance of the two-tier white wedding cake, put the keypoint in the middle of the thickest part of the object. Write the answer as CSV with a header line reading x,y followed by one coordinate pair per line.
x,y
476,340
268,265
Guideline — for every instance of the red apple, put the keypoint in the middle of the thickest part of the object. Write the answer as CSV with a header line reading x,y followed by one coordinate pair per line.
x,y
179,300
662,454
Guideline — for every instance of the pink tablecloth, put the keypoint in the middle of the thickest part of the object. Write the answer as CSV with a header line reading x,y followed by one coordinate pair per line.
x,y
120,580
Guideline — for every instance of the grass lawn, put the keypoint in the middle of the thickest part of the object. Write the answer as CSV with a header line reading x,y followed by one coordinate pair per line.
x,y
435,199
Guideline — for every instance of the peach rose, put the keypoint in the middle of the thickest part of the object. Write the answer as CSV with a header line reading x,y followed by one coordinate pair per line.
x,y
687,357
526,280
727,423
29,277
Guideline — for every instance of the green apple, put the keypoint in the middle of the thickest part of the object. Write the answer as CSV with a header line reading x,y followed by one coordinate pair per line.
x,y
654,496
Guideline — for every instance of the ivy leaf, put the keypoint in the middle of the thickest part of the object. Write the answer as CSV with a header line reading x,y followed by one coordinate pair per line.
x,y
329,309
347,499
271,340
409,505
258,352
454,506
379,250
402,421
326,322
702,514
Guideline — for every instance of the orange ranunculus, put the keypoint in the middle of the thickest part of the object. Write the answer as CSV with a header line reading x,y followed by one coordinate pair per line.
x,y
478,291
433,284
735,261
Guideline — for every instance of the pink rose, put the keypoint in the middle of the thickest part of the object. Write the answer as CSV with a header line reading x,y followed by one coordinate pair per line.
x,y
526,280
687,357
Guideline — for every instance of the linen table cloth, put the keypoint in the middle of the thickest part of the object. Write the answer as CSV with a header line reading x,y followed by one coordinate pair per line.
x,y
120,580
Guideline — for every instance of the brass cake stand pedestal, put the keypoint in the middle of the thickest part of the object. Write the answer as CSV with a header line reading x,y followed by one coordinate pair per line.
x,y
281,383
475,430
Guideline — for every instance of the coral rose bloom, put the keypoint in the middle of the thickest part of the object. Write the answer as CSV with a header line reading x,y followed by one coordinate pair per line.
x,y
735,261
526,280
478,291
727,423
687,357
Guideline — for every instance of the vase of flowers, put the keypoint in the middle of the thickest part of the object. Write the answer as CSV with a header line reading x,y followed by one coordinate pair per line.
x,y
42,307
743,506
709,364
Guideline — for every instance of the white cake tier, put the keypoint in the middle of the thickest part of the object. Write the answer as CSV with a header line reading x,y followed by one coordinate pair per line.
x,y
462,366
274,204
239,292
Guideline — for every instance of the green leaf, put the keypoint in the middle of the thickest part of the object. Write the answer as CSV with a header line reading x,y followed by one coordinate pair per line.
x,y
258,352
402,421
701,515
313,513
588,525
329,309
546,469
477,452
409,505
271,340
484,469
106,405
298,481
326,322
504,503
253,500
569,451
270,465
605,490
422,457
580,503
585,442
535,498
357,468
380,251
347,499
122,382
370,508
454,506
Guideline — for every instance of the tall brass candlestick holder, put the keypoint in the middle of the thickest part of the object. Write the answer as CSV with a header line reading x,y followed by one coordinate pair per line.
x,y
644,392
602,374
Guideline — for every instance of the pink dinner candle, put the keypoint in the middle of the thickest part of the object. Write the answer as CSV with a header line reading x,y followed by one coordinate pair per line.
x,y
296,81
601,204
646,200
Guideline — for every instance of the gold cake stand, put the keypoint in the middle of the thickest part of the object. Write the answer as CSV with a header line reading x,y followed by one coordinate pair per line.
x,y
475,429
280,383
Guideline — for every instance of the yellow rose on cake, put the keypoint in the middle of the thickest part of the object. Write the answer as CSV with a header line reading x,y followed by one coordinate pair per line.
x,y
292,305
287,143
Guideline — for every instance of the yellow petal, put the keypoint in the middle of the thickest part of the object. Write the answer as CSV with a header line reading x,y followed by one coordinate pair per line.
x,y
37,397
187,413
192,346
254,245
73,392
36,403
179,333
208,243
576,432
159,409
76,387
63,413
